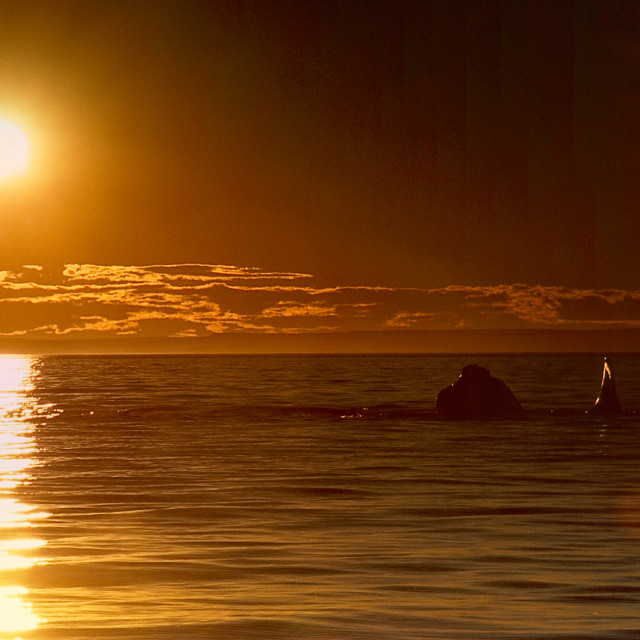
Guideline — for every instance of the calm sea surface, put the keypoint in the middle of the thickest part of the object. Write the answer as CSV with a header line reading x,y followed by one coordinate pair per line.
x,y
305,497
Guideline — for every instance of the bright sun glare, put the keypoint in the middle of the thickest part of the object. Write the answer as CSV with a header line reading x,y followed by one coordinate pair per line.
x,y
14,150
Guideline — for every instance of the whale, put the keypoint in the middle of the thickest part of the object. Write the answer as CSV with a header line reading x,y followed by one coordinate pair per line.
x,y
607,403
477,394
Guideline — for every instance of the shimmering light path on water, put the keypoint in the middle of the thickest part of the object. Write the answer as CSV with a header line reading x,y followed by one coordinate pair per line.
x,y
267,497
18,451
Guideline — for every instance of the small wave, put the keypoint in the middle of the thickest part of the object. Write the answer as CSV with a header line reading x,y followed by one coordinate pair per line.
x,y
331,491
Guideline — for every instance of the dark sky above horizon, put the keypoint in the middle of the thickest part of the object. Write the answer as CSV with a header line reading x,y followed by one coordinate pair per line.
x,y
400,144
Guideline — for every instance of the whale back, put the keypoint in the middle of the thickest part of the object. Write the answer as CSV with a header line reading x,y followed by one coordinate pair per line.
x,y
477,394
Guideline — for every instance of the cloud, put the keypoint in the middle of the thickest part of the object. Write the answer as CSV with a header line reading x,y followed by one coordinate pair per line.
x,y
197,299
167,274
293,309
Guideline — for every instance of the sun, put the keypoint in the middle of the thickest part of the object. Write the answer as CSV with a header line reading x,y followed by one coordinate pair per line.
x,y
14,150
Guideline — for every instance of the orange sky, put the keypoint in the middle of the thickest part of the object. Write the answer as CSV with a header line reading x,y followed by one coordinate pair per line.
x,y
357,166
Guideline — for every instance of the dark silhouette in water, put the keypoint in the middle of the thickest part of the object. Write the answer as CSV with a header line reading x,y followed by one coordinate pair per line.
x,y
607,402
477,394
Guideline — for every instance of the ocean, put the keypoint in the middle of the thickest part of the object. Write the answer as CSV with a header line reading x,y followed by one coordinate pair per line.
x,y
307,497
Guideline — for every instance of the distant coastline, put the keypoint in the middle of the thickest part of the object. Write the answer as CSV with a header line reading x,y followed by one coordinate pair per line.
x,y
427,342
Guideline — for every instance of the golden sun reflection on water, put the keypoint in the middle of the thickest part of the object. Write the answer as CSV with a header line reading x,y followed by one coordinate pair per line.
x,y
18,455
